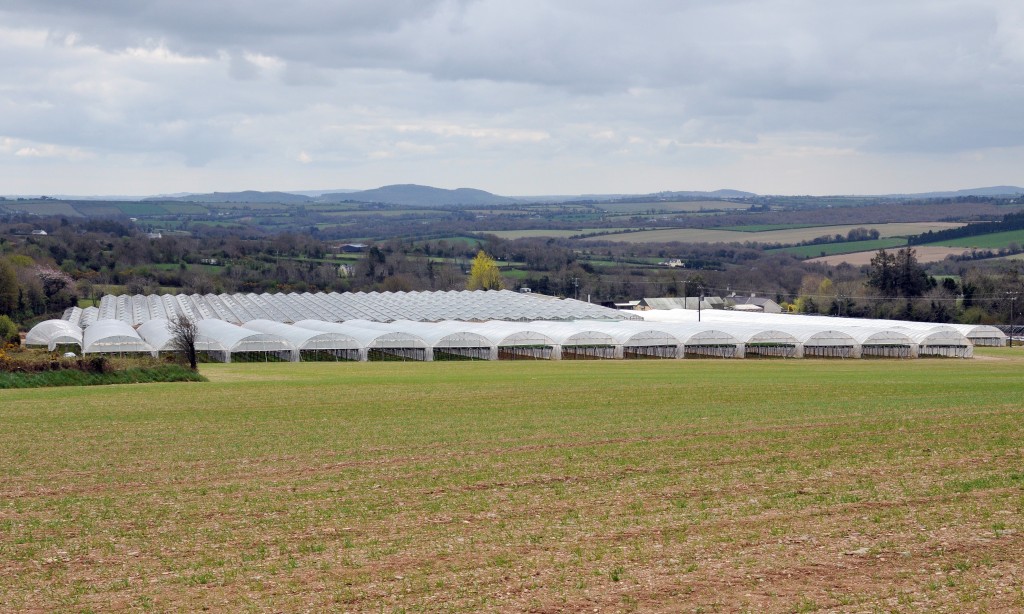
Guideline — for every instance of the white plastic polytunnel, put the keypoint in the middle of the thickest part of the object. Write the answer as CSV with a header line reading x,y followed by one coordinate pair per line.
x,y
311,345
113,337
941,342
226,342
702,340
157,334
641,339
765,341
475,306
379,342
515,340
823,343
450,340
579,340
980,334
52,334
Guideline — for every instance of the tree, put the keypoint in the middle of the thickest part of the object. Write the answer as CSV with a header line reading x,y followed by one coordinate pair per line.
x,y
184,334
8,289
484,275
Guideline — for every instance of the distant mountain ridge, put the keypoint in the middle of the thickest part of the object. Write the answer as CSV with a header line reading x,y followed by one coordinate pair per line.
x,y
413,195
999,190
247,196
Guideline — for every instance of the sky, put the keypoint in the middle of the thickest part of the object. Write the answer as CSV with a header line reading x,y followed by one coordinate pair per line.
x,y
518,98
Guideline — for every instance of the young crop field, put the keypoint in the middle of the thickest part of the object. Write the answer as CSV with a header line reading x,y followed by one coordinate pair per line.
x,y
848,247
787,236
683,206
995,240
690,485
925,253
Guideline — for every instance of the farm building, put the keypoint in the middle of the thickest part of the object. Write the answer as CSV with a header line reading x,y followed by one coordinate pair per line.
x,y
427,326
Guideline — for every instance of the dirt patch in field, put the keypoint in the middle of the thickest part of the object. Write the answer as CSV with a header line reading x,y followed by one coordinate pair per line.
x,y
924,254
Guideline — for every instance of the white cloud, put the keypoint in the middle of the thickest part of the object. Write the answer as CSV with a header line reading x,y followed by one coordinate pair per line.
x,y
531,96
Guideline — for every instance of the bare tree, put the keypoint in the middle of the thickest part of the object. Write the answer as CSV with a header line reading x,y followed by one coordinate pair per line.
x,y
184,333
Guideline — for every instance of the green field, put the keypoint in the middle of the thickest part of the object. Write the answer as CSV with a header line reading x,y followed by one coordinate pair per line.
x,y
547,232
691,485
764,227
994,240
849,247
787,236
683,206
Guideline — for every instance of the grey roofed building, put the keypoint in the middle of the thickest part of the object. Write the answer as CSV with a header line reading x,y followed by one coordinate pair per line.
x,y
766,305
679,302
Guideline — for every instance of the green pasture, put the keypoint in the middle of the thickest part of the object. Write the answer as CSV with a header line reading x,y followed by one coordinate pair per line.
x,y
787,236
689,485
849,247
683,206
995,240
764,227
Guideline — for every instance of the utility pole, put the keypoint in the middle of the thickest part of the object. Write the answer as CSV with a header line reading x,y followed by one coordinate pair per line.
x,y
699,301
1013,302
576,286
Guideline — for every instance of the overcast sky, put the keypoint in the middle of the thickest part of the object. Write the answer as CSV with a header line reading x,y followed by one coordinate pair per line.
x,y
523,97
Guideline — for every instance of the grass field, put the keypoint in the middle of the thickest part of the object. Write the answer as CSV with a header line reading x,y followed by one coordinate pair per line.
x,y
547,232
994,240
726,486
687,206
764,227
788,236
849,247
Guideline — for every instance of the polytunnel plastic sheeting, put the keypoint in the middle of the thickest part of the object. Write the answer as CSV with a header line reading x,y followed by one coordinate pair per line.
x,y
444,334
980,334
157,334
573,333
113,337
52,333
634,333
950,343
368,337
90,315
305,338
218,335
508,334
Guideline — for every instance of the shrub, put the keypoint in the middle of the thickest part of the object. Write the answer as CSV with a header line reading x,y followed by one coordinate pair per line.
x,y
8,331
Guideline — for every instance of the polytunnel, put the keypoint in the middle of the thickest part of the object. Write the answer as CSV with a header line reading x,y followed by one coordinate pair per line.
x,y
311,345
113,337
157,334
54,335
226,342
883,343
640,340
578,340
979,334
701,340
450,340
515,340
379,342
942,342
828,343
764,341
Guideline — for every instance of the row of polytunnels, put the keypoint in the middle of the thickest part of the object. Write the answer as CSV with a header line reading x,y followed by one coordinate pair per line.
x,y
715,336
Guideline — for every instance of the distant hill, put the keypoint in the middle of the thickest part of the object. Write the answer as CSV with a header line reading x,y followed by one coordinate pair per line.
x,y
714,195
420,196
999,190
248,196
